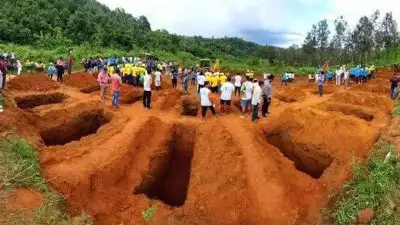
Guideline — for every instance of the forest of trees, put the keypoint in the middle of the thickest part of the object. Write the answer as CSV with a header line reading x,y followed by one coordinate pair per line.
x,y
48,24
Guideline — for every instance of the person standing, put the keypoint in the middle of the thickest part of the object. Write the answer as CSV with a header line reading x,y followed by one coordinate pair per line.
x,y
51,70
69,63
185,82
247,94
60,69
147,80
257,98
238,84
116,83
201,79
394,86
267,95
3,71
175,78
227,90
205,101
157,79
19,67
103,80
320,83
338,75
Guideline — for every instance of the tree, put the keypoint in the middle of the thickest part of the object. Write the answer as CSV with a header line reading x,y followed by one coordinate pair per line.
x,y
388,35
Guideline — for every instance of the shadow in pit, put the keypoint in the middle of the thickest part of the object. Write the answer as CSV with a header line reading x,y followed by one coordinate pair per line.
x,y
84,124
306,157
32,101
168,176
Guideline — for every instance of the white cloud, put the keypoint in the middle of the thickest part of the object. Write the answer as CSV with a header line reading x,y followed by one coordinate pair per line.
x,y
230,17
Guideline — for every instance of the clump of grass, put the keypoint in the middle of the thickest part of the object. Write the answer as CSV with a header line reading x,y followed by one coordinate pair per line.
x,y
19,168
374,185
396,111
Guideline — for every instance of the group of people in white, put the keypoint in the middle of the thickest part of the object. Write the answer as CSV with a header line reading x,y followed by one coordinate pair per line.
x,y
252,92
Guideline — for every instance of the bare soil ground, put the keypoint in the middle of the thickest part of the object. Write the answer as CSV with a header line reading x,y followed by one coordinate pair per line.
x,y
115,164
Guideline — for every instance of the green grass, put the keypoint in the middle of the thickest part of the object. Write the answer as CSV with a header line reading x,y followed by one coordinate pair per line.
x,y
375,185
19,168
396,111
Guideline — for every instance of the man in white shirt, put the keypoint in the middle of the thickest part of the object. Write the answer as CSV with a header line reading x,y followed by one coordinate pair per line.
x,y
238,84
157,80
201,79
257,99
346,78
247,94
147,91
226,96
267,95
338,75
205,100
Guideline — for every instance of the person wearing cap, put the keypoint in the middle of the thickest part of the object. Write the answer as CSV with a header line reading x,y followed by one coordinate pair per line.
x,y
103,80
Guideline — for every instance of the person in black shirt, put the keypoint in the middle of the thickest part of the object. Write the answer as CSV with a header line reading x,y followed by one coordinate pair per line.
x,y
394,81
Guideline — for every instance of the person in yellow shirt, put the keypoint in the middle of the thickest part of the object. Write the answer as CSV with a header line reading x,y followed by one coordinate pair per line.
x,y
111,70
222,79
123,74
214,83
251,74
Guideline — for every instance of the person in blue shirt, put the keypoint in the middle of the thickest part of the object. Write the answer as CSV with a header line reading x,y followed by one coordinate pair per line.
x,y
51,70
330,76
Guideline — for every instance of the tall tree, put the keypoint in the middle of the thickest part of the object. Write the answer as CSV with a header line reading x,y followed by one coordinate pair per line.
x,y
388,35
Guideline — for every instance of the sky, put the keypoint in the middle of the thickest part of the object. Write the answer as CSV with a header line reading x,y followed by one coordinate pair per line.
x,y
274,22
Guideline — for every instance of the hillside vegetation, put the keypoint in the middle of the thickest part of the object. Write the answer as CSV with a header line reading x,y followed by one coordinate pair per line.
x,y
43,30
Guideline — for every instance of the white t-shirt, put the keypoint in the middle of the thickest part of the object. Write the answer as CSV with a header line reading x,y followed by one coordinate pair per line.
x,y
248,92
157,75
204,97
238,81
226,91
147,82
201,79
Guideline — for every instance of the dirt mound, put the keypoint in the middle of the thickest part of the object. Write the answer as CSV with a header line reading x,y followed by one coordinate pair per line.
x,y
383,103
32,82
24,198
82,80
171,98
328,89
130,94
91,89
290,94
32,101
373,88
190,106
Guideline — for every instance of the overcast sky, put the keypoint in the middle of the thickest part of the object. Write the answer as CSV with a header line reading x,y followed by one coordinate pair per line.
x,y
275,22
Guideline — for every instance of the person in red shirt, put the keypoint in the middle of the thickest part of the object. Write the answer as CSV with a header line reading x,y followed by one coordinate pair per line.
x,y
69,63
116,83
60,69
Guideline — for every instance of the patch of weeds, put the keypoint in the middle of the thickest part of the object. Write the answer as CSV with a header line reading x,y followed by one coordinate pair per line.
x,y
396,111
149,213
373,185
19,168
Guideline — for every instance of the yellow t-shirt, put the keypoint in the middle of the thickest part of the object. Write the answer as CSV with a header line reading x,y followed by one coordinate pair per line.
x,y
222,79
251,75
142,71
208,78
111,70
214,81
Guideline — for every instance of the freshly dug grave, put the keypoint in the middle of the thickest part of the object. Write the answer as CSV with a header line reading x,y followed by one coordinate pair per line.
x,y
32,101
383,89
85,124
91,89
313,140
32,82
380,102
169,171
290,94
347,109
